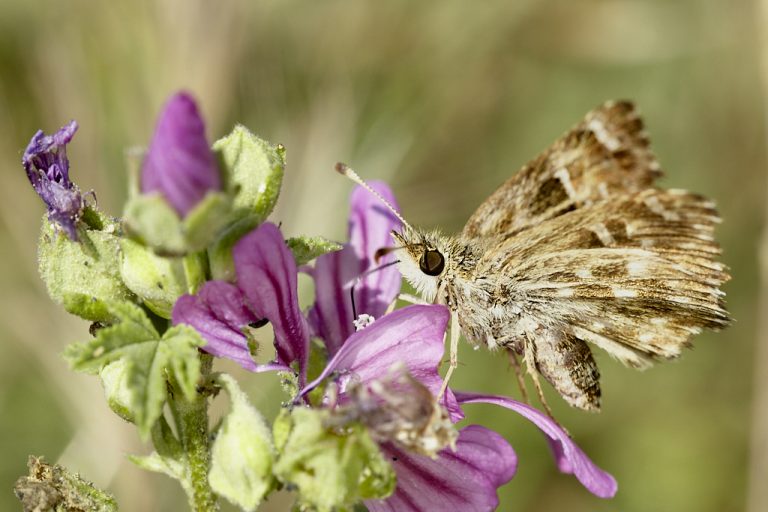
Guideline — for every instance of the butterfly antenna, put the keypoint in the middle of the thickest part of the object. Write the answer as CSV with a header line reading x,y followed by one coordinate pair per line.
x,y
352,175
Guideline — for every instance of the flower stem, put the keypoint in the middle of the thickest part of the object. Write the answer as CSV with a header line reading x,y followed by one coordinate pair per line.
x,y
192,426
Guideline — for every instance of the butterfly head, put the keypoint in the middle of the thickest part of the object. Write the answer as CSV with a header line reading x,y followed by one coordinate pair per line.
x,y
424,258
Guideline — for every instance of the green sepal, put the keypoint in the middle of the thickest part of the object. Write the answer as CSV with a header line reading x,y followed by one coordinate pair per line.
x,y
202,225
253,173
220,253
330,470
307,248
148,357
114,380
252,170
242,454
83,276
151,221
156,280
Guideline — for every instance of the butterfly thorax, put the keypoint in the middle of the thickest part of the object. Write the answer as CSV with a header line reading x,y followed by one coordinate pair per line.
x,y
487,309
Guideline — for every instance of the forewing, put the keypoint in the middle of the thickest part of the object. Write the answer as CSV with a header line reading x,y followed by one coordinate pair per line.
x,y
605,155
636,276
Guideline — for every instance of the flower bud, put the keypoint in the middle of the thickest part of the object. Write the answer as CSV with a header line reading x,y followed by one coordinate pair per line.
x,y
179,163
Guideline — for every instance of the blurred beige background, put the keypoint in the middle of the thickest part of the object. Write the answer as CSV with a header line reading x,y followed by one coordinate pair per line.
x,y
444,100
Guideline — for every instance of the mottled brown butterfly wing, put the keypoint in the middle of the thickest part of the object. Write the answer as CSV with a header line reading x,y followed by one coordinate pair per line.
x,y
604,155
586,250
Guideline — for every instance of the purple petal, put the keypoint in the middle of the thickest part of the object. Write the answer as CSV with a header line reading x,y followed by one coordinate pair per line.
x,y
464,481
370,225
412,336
331,316
266,272
370,228
218,313
179,163
47,166
569,457
224,337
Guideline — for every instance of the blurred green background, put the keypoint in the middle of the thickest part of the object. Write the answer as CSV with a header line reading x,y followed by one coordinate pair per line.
x,y
444,100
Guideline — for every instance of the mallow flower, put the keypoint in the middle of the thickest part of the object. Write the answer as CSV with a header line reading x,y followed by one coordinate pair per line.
x,y
179,163
456,480
266,290
370,225
47,166
435,471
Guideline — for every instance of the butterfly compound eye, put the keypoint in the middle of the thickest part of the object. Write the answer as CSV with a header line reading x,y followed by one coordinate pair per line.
x,y
432,263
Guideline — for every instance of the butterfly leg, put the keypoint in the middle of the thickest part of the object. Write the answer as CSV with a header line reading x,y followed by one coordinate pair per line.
x,y
513,361
412,299
454,362
530,366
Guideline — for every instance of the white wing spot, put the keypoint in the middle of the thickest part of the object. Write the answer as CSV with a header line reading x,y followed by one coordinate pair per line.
x,y
603,234
565,178
584,273
602,189
565,292
656,207
623,293
646,337
598,128
637,268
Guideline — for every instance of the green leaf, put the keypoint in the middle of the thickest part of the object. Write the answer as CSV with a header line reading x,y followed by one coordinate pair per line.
x,y
174,468
242,455
157,281
330,470
253,171
151,221
83,276
168,458
307,248
148,359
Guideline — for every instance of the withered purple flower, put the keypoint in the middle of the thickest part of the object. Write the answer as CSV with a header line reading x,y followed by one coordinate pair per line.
x,y
370,225
266,290
179,163
47,166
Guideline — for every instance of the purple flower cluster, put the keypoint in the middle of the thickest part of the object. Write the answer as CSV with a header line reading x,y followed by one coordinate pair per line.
x,y
47,166
462,479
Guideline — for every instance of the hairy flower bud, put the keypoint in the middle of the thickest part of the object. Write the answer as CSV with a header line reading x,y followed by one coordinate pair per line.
x,y
180,164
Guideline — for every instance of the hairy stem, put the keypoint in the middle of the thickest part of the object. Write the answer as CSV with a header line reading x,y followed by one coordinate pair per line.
x,y
192,426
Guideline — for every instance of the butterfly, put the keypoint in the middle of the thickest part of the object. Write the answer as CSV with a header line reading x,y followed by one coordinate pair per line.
x,y
579,248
